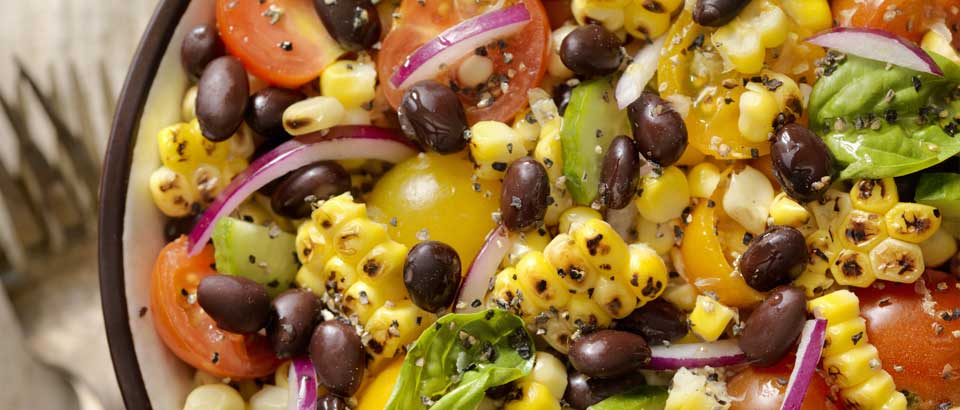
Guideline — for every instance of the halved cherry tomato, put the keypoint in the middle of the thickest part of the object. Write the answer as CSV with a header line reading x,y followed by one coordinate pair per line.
x,y
908,18
259,39
524,54
763,389
916,347
188,331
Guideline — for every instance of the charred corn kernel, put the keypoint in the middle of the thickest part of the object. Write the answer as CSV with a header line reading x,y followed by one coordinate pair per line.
x,y
743,41
172,193
703,180
538,281
758,109
339,274
897,261
270,398
912,222
837,306
860,230
335,211
493,146
660,236
874,195
710,318
787,93
208,182
555,67
614,296
383,265
362,300
682,295
853,268
214,397
833,209
748,199
663,198
183,148
575,217
815,279
646,273
609,13
549,372
843,336
604,248
699,389
897,401
584,313
937,43
188,108
871,394
786,211
527,127
523,242
350,82
813,15
313,246
939,248
394,326
853,366
534,396
644,21
356,237
571,265
312,115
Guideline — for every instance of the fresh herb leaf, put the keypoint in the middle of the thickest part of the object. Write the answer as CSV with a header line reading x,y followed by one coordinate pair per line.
x,y
942,190
641,398
457,359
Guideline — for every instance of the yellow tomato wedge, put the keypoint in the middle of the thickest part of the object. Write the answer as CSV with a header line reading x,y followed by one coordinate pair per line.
x,y
376,393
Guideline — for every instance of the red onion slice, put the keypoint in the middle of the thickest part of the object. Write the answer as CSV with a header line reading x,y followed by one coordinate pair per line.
x,y
302,382
343,142
691,355
484,266
457,41
638,73
877,45
808,356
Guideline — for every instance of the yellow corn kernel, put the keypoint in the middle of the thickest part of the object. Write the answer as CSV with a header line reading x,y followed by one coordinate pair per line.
x,y
572,266
853,366
710,318
874,195
609,13
786,211
188,108
843,336
897,261
556,68
337,210
393,326
933,41
282,374
493,146
660,236
703,180
646,273
208,182
788,95
550,372
383,265
312,115
183,148
852,268
604,248
356,237
339,275
538,281
748,199
871,394
584,312
682,295
362,300
313,247
744,40
694,391
534,396
171,192
813,15
350,82
814,279
861,230
758,109
912,222
832,210
573,218
647,23
214,397
504,288
837,306
614,296
523,242
897,401
527,127
550,152
939,248
665,197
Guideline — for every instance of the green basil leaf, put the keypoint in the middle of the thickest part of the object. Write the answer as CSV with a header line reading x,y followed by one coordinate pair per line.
x,y
641,398
890,151
942,190
456,360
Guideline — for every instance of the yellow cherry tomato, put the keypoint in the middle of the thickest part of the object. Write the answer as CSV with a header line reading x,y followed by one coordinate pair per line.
x,y
375,394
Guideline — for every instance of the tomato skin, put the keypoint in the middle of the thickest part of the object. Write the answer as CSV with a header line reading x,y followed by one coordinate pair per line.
x,y
907,18
761,389
189,332
419,23
250,36
906,337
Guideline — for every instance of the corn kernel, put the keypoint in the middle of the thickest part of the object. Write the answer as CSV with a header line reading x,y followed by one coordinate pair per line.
x,y
183,148
758,109
843,336
573,218
832,210
604,248
609,13
935,42
646,273
874,195
538,281
392,327
897,261
171,192
786,211
556,68
813,15
363,300
744,40
853,268
350,82
584,312
897,401
312,115
683,296
643,23
534,396
871,394
939,248
660,236
522,243
383,265
853,366
549,372
665,197
214,397
493,146
703,179
188,108
356,237
748,199
912,222
337,210
571,264
860,230
339,274
527,127
710,318
837,306
614,296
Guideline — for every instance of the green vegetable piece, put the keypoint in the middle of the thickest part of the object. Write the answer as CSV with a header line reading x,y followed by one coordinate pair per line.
x,y
641,398
456,360
591,120
942,190
885,122
259,253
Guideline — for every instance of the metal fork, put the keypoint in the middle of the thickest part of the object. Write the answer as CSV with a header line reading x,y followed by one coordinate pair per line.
x,y
49,270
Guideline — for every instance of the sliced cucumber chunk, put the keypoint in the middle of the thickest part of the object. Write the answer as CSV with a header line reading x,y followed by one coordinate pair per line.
x,y
259,253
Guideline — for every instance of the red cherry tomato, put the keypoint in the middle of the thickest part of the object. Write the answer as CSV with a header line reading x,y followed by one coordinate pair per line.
x,y
764,388
188,331
908,18
289,49
526,51
916,347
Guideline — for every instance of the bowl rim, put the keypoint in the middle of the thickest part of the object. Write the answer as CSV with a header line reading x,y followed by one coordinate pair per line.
x,y
113,197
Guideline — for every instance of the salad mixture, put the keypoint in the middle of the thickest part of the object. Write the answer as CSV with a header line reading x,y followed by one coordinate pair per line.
x,y
565,204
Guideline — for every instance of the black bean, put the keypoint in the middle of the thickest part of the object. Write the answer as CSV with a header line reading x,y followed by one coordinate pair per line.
x,y
295,195
355,24
293,315
774,258
715,13
222,98
591,50
609,353
431,274
802,163
431,113
658,321
618,176
658,129
338,356
331,402
175,227
524,195
237,304
773,326
584,391
200,46
265,111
